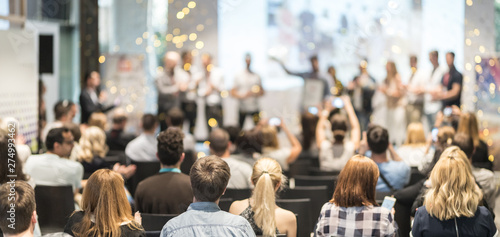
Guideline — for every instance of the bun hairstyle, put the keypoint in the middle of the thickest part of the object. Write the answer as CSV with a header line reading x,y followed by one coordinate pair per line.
x,y
339,127
266,176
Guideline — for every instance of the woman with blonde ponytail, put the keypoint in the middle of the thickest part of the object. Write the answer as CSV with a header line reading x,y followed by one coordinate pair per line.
x,y
261,211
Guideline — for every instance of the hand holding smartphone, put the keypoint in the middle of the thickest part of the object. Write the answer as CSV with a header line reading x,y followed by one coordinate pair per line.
x,y
389,202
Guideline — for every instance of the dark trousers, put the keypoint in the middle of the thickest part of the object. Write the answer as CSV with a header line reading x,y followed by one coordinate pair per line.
x,y
190,108
243,116
214,112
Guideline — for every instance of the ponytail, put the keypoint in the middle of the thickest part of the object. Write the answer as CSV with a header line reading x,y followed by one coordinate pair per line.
x,y
265,205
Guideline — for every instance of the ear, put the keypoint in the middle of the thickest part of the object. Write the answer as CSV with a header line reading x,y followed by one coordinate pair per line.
x,y
33,218
182,158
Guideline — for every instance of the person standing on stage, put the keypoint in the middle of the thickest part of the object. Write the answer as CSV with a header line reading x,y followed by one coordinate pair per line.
x,y
415,96
92,98
168,88
394,91
452,82
247,89
361,90
210,86
187,88
431,107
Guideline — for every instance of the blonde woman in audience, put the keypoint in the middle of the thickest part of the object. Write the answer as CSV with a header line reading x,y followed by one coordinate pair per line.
x,y
99,120
261,211
413,151
333,155
468,124
272,149
105,209
452,205
353,210
93,149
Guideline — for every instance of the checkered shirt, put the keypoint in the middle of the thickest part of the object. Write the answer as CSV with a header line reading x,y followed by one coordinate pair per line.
x,y
355,221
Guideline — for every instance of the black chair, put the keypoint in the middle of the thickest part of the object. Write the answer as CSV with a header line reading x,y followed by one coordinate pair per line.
x,y
54,205
237,194
317,194
313,171
302,208
225,203
189,159
155,222
278,235
299,167
379,196
144,170
415,176
329,181
153,233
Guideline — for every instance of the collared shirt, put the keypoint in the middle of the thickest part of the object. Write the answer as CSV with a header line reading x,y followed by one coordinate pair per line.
x,y
206,219
142,148
355,221
50,169
173,170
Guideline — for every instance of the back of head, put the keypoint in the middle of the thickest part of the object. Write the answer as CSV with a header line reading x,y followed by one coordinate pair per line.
x,y
6,154
92,143
119,117
75,130
170,146
308,122
415,134
269,136
233,132
445,136
249,142
149,122
209,178
219,142
454,192
378,139
465,143
356,183
339,127
17,204
98,119
266,177
175,117
104,198
62,108
468,125
55,135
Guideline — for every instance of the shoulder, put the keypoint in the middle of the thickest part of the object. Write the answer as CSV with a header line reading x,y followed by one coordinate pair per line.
x,y
237,207
483,212
286,215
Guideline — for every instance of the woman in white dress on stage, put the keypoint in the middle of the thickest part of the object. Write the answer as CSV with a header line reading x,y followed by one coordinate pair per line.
x,y
396,102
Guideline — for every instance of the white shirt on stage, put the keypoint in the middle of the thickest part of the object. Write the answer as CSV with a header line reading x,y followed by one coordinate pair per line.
x,y
217,80
434,81
419,79
244,81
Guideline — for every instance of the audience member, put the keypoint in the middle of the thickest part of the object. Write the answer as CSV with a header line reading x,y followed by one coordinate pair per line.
x,y
413,151
169,191
234,132
23,151
240,171
175,118
63,113
468,124
353,210
271,147
117,138
54,168
209,178
105,209
91,98
333,155
99,120
443,140
143,147
9,156
484,178
260,210
452,204
248,146
394,174
18,209
77,134
93,149
309,123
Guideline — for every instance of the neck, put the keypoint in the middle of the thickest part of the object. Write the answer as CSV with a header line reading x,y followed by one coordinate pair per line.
x,y
226,154
26,233
116,127
150,132
216,201
379,158
177,165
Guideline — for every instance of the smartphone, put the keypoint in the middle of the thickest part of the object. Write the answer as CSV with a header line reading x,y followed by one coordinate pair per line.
x,y
313,110
275,121
338,103
434,134
447,111
388,202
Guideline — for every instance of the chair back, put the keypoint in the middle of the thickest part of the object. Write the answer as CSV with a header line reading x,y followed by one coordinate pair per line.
x,y
379,196
317,172
225,203
329,181
302,208
153,233
317,194
189,159
155,222
144,170
237,194
54,206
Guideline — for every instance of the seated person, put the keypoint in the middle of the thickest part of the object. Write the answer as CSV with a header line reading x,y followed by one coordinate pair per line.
x,y
175,118
17,216
395,173
143,147
209,178
272,149
117,138
264,220
169,191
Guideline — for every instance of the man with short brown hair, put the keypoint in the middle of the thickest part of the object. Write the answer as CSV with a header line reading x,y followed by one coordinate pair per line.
x,y
17,209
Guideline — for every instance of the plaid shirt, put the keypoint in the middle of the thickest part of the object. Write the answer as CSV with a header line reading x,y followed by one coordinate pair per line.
x,y
355,221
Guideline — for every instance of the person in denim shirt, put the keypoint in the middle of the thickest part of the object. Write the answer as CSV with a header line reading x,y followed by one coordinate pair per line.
x,y
209,177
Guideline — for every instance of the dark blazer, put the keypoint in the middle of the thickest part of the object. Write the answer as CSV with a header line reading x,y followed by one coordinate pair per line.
x,y
88,106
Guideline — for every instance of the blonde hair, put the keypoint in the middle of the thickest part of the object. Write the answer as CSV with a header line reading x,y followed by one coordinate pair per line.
x,y
468,125
98,119
92,143
266,176
104,198
415,134
269,136
454,192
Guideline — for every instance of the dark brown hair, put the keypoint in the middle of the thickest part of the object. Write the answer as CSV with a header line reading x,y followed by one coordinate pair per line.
x,y
356,183
219,141
339,127
170,145
309,122
4,158
25,206
209,177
